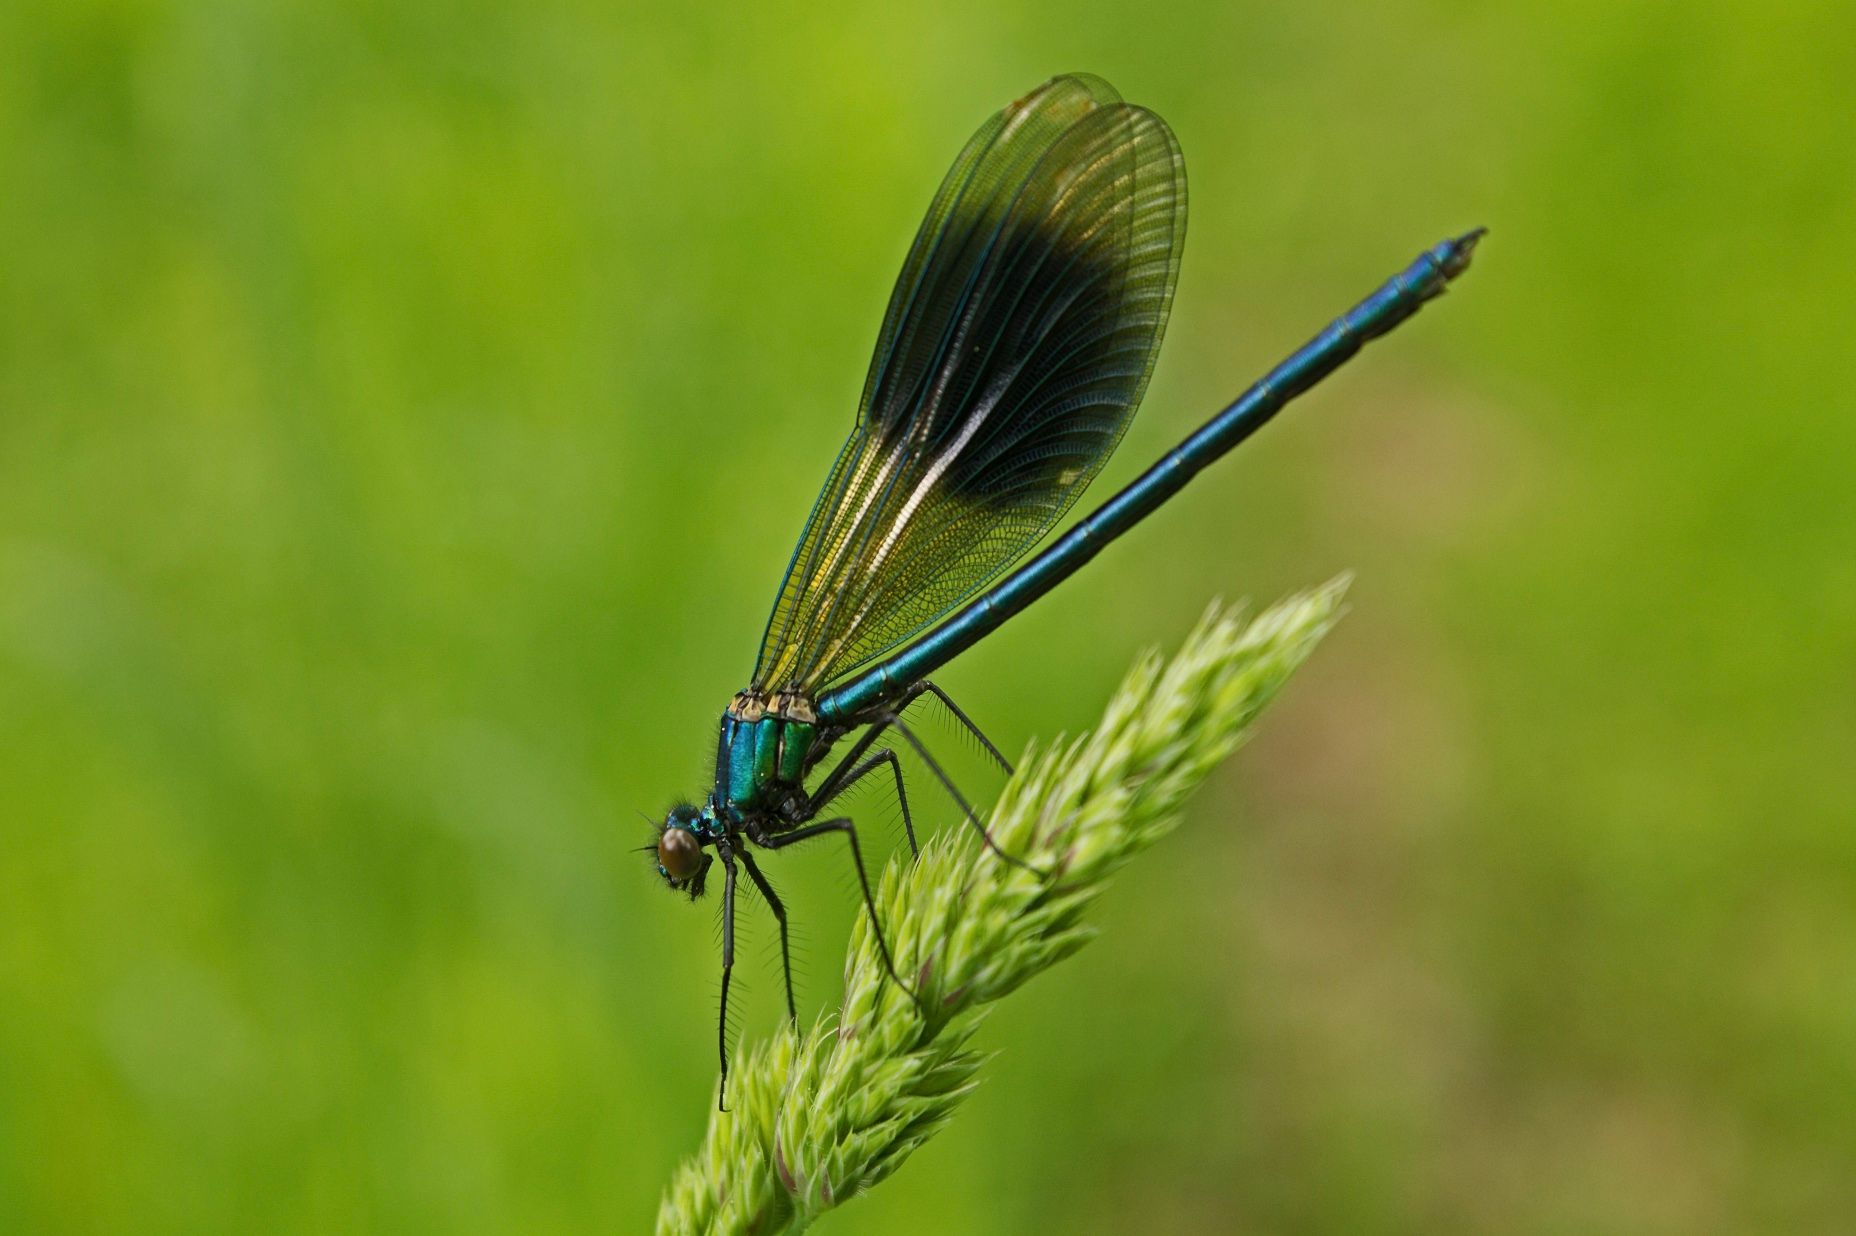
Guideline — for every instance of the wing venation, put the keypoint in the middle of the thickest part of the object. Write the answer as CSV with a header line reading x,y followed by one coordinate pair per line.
x,y
1017,344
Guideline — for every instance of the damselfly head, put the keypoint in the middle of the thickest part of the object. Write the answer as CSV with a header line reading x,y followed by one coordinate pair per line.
x,y
680,857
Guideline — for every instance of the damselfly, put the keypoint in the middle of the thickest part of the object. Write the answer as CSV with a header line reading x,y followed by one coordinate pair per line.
x,y
1016,347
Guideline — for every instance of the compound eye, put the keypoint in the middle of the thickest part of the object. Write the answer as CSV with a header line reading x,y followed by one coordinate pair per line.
x,y
679,854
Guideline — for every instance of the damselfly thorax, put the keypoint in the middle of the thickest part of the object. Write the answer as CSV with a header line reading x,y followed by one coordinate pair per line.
x,y
767,745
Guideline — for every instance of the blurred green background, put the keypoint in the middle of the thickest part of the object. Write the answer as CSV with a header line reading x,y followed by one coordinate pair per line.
x,y
406,411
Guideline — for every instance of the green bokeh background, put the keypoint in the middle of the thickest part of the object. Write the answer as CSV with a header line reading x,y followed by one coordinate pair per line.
x,y
406,411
